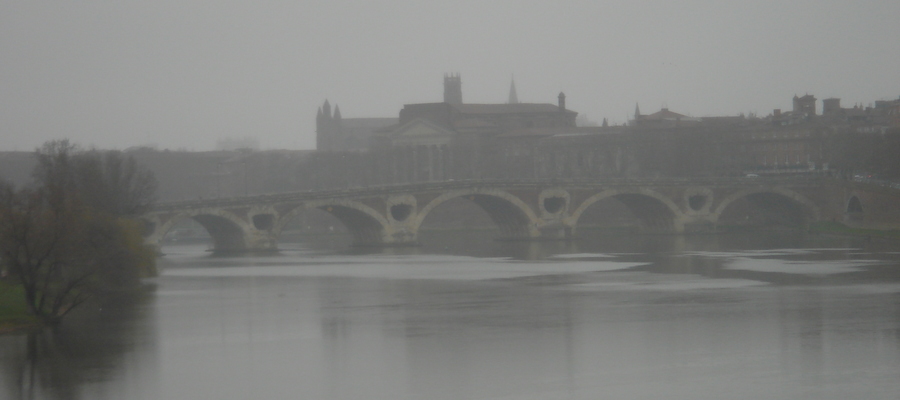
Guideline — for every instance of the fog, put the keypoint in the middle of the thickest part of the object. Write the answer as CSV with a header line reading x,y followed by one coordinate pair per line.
x,y
184,74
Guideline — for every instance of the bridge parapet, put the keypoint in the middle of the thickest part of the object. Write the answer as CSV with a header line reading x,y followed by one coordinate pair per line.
x,y
384,190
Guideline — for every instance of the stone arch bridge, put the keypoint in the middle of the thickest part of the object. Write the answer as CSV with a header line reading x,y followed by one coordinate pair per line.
x,y
392,215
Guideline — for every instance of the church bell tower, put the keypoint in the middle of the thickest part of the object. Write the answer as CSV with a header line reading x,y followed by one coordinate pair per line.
x,y
452,89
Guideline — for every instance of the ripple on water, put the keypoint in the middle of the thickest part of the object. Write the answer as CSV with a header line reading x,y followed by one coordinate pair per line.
x,y
410,267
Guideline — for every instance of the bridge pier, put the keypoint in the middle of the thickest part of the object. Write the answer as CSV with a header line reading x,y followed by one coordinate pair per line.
x,y
698,227
256,241
554,230
395,235
398,226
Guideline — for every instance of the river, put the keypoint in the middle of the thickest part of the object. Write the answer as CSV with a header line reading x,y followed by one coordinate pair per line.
x,y
742,316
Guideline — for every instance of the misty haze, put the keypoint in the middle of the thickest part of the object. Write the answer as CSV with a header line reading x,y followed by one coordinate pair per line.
x,y
400,200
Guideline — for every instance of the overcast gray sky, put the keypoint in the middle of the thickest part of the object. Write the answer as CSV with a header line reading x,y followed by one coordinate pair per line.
x,y
183,74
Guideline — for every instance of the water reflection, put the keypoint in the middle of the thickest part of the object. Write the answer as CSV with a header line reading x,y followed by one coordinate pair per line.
x,y
87,347
699,317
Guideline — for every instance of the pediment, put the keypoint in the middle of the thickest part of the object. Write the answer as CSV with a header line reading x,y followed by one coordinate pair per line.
x,y
421,132
421,128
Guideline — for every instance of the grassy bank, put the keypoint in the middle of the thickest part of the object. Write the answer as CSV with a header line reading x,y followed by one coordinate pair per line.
x,y
13,310
841,229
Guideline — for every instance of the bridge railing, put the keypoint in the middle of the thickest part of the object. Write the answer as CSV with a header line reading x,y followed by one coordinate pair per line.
x,y
394,189
876,182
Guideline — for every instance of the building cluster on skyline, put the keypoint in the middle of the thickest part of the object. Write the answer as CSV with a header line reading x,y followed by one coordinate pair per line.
x,y
431,141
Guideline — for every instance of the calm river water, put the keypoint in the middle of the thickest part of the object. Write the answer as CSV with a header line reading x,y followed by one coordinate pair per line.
x,y
761,316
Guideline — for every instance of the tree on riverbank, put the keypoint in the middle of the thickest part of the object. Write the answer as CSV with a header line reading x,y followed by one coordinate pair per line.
x,y
71,235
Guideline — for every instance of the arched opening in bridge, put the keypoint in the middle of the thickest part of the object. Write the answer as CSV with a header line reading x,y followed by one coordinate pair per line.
x,y
316,229
764,210
608,214
626,212
210,231
697,201
263,222
554,205
854,206
854,209
186,231
364,229
400,212
474,214
226,235
453,218
147,228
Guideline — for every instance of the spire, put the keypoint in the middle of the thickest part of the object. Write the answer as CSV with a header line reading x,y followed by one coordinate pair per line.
x,y
319,119
320,130
326,109
337,112
637,111
513,97
605,123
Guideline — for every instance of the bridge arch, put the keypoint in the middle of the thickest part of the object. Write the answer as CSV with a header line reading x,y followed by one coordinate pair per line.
x,y
854,211
854,205
366,225
655,211
789,204
226,229
514,218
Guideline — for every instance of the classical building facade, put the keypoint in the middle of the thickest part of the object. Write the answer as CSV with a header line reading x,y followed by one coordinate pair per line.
x,y
431,141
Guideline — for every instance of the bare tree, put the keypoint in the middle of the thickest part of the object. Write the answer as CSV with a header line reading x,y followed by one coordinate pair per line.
x,y
41,244
106,181
69,237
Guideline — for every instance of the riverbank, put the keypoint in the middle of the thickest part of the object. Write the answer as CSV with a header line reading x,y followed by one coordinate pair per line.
x,y
14,316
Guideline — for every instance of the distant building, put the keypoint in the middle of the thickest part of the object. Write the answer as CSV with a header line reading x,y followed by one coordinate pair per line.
x,y
232,144
883,115
804,110
516,140
452,89
453,117
805,105
663,118
334,133
831,106
452,138
888,111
